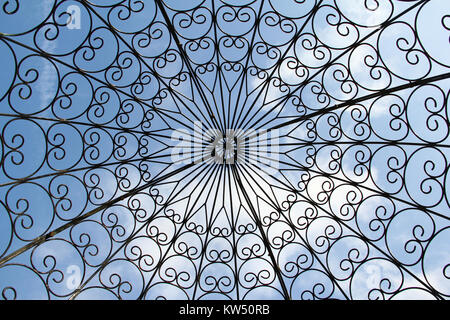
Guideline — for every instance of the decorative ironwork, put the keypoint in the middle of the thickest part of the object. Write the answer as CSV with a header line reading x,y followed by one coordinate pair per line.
x,y
207,149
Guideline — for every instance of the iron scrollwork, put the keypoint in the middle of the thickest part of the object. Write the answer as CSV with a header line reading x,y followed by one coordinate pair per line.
x,y
354,95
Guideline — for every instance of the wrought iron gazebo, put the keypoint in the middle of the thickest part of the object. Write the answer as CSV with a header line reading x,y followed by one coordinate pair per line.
x,y
224,149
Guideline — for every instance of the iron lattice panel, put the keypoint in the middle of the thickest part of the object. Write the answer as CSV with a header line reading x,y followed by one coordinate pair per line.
x,y
206,149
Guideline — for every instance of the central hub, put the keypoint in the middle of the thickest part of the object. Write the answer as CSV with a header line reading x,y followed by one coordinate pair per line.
x,y
230,147
213,146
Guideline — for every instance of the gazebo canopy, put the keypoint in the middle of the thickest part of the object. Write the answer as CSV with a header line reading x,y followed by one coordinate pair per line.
x,y
224,149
